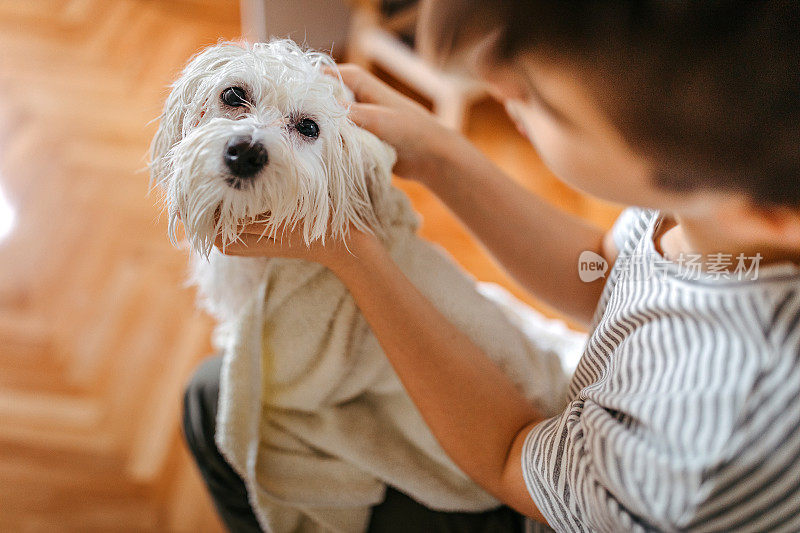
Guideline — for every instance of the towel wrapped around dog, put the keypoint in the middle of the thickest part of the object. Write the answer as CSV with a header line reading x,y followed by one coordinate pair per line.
x,y
312,415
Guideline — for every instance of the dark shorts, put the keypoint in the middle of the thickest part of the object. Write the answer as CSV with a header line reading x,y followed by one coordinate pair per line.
x,y
397,513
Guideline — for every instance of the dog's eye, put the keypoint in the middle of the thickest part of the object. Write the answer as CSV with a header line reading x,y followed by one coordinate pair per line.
x,y
234,97
308,128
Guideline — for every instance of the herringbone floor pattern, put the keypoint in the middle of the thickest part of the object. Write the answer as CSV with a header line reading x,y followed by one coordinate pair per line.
x,y
97,334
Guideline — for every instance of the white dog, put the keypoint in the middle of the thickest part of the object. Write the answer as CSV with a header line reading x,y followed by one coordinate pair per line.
x,y
311,413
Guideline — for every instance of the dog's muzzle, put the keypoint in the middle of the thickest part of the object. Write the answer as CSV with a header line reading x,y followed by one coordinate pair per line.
x,y
245,157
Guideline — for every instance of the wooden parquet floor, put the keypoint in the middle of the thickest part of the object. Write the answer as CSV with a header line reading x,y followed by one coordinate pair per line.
x,y
97,333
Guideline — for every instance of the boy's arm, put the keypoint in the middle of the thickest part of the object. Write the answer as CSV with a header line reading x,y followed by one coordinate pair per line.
x,y
537,243
472,408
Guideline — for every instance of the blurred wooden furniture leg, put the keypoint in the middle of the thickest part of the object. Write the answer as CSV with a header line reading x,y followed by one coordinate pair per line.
x,y
254,13
318,24
370,44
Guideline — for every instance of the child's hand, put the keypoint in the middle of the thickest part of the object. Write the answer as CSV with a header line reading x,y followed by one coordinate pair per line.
x,y
420,139
290,243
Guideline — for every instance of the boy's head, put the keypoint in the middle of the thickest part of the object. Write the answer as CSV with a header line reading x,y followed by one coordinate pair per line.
x,y
664,103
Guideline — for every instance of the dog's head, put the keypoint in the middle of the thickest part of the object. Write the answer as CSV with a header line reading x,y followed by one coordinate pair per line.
x,y
260,131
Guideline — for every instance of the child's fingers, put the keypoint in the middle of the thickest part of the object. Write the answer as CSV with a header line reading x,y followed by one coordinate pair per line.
x,y
255,232
367,88
256,227
371,117
248,245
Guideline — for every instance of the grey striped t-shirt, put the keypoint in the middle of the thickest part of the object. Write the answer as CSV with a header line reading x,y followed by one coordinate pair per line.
x,y
685,410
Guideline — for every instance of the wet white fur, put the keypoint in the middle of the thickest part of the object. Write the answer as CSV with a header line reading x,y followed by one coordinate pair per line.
x,y
341,178
307,183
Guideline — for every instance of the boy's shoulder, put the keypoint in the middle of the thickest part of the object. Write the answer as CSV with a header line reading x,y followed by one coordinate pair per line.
x,y
714,278
654,314
631,225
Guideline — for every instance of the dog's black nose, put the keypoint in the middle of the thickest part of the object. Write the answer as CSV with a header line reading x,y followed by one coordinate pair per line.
x,y
244,157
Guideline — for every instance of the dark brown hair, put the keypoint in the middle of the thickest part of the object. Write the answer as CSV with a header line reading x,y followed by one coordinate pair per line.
x,y
707,90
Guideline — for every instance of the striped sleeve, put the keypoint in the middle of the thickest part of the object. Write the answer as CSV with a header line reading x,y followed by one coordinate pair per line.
x,y
574,466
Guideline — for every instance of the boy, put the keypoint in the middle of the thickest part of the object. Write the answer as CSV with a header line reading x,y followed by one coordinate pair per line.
x,y
685,407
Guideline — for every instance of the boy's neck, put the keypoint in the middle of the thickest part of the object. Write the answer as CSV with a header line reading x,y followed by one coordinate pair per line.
x,y
696,235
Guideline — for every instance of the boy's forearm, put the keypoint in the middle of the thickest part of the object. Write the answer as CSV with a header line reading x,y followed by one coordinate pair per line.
x,y
456,387
537,243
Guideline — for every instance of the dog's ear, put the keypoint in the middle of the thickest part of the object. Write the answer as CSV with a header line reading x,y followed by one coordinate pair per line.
x,y
360,180
172,122
181,110
170,126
